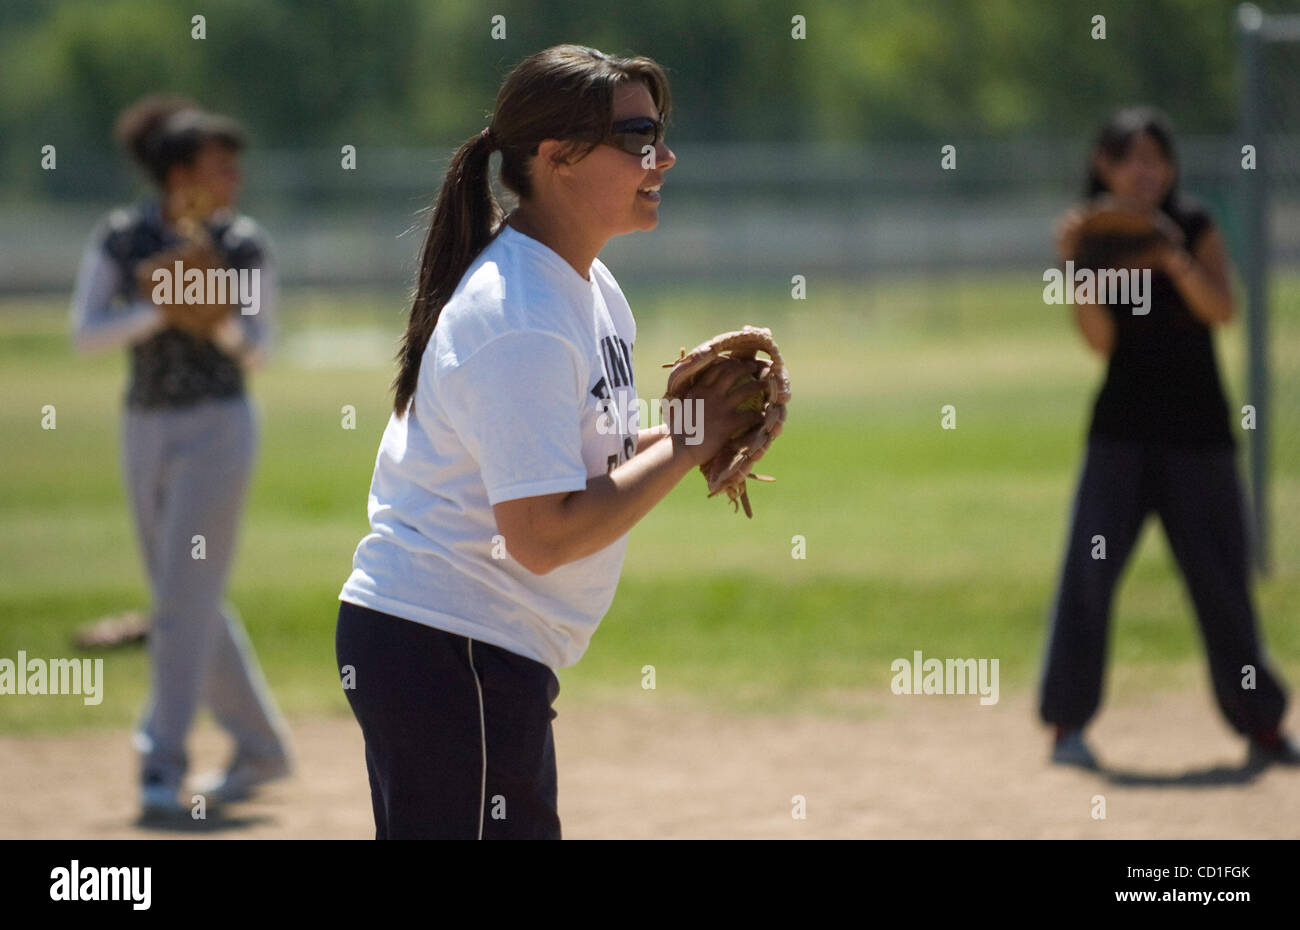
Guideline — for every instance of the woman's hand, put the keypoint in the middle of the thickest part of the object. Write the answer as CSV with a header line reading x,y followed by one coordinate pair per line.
x,y
1167,248
719,391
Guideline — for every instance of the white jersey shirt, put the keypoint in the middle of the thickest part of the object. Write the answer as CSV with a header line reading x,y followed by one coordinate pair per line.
x,y
525,388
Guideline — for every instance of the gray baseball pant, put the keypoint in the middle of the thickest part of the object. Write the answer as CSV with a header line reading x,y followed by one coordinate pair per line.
x,y
186,472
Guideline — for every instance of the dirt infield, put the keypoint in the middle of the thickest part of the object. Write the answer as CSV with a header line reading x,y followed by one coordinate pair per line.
x,y
922,768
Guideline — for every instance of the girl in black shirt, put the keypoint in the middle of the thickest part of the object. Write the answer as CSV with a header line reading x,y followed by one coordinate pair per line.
x,y
1160,440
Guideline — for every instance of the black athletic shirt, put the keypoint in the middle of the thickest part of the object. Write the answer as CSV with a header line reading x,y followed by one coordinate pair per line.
x,y
1162,382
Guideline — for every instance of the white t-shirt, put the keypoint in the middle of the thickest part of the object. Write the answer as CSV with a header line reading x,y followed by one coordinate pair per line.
x,y
525,388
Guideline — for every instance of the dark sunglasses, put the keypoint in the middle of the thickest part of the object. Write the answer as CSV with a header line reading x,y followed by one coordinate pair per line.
x,y
633,135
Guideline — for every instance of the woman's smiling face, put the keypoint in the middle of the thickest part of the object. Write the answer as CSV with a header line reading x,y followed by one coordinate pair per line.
x,y
1142,176
611,182
213,179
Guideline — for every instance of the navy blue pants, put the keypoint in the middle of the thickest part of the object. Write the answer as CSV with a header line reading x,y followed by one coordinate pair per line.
x,y
457,732
1196,494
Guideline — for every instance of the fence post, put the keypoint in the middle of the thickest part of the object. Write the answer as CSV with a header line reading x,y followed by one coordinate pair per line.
x,y
1254,269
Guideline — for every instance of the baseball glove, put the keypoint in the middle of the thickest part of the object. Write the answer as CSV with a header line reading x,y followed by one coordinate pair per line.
x,y
730,468
196,250
121,629
1111,236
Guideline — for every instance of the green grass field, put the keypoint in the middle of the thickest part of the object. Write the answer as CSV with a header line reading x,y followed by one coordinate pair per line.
x,y
917,538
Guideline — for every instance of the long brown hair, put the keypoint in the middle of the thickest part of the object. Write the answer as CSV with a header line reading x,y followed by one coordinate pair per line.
x,y
564,92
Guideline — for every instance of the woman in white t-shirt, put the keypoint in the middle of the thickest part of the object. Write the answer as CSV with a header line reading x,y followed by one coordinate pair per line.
x,y
512,467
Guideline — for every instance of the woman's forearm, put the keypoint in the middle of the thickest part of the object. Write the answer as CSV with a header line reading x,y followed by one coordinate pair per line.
x,y
546,531
94,322
1209,300
646,438
611,504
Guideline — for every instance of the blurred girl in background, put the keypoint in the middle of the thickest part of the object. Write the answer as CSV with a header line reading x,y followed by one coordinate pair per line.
x,y
189,435
1160,441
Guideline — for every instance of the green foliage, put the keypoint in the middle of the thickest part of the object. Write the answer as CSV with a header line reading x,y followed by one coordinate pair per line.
x,y
409,73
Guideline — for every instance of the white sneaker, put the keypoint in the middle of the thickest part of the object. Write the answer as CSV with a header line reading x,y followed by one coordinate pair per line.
x,y
245,775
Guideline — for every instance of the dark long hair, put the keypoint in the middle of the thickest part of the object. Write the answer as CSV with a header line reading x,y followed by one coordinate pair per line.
x,y
1116,138
565,92
162,130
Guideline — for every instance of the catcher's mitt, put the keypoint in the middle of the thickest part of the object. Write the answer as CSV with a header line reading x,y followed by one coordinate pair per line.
x,y
729,469
1111,236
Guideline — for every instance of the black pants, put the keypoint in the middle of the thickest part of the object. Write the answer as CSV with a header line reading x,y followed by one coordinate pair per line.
x,y
457,732
1198,498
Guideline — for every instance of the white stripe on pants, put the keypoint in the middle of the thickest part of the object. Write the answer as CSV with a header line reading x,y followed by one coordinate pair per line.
x,y
186,471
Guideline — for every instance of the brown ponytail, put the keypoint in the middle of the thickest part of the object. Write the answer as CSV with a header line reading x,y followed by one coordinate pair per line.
x,y
564,92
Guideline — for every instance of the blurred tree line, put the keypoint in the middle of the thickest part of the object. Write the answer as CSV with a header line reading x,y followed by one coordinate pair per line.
x,y
308,73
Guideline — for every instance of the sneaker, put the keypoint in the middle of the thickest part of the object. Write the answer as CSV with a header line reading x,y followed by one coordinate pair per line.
x,y
159,801
1069,748
244,776
1272,749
